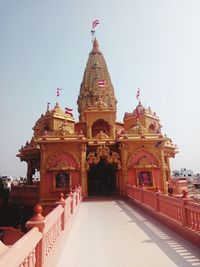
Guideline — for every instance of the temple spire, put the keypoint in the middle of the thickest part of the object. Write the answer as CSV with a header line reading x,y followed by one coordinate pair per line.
x,y
96,90
95,46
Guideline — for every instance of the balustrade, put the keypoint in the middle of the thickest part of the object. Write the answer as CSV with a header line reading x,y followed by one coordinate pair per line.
x,y
35,248
183,211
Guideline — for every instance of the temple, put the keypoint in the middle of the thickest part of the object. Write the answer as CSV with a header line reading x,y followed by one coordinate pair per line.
x,y
97,152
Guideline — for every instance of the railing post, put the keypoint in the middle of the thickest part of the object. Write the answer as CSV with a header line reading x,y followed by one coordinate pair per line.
x,y
79,193
185,198
133,190
142,194
61,201
72,201
38,221
157,194
76,190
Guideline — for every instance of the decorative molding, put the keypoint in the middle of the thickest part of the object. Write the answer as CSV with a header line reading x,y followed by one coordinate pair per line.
x,y
62,161
103,152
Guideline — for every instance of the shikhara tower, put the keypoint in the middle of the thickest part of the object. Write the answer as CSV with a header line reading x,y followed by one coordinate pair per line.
x,y
97,152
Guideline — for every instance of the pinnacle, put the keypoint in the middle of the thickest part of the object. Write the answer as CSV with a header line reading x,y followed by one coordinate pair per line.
x,y
95,46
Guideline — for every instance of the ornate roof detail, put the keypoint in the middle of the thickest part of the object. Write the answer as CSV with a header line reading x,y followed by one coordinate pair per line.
x,y
144,163
96,91
141,110
62,160
57,110
142,156
66,128
138,129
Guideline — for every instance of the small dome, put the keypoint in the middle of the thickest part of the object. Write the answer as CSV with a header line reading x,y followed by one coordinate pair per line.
x,y
139,110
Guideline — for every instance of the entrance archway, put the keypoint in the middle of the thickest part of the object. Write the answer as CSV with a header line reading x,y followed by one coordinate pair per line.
x,y
102,179
102,172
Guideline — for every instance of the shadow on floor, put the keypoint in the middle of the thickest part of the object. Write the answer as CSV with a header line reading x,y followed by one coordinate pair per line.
x,y
179,250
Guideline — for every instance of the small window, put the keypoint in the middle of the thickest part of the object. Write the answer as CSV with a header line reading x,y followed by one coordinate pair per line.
x,y
62,180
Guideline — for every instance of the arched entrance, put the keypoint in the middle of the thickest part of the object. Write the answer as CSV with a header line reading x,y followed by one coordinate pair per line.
x,y
102,172
102,179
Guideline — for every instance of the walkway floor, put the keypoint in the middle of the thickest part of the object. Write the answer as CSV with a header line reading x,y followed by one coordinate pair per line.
x,y
116,234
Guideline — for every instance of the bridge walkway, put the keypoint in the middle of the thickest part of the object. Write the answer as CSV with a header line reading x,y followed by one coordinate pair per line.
x,y
114,233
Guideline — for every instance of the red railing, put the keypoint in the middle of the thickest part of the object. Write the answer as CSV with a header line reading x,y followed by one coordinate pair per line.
x,y
36,247
183,211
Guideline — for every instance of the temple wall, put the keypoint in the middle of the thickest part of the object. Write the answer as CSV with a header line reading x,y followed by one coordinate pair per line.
x,y
60,169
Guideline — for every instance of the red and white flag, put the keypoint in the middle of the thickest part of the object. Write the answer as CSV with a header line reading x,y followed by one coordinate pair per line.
x,y
138,94
95,23
58,91
68,110
102,83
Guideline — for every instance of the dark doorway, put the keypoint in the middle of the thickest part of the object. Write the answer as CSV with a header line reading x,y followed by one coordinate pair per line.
x,y
102,179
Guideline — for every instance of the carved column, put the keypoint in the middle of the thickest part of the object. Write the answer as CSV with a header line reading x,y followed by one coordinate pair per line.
x,y
163,172
83,171
168,168
89,132
43,170
124,155
112,132
29,172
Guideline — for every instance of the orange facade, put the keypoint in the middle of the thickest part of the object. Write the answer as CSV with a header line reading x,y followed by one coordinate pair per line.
x,y
97,152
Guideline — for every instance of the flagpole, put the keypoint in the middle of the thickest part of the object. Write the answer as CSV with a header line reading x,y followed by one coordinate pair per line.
x,y
58,93
94,24
48,106
93,35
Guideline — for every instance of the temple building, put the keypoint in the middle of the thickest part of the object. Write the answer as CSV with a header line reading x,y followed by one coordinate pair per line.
x,y
97,152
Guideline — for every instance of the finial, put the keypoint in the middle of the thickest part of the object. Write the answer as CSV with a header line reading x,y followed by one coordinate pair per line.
x,y
61,199
95,46
48,104
37,213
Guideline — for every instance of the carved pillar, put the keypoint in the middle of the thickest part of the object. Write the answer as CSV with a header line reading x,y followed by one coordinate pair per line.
x,y
29,172
112,132
43,170
124,155
168,168
89,132
83,171
163,172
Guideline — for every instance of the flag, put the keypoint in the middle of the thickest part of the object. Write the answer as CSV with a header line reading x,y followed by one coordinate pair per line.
x,y
138,93
58,91
68,110
95,23
102,83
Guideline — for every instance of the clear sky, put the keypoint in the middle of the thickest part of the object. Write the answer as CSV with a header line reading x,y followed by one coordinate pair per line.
x,y
154,45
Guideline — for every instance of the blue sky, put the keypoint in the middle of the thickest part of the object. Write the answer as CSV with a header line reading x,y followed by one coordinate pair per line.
x,y
154,45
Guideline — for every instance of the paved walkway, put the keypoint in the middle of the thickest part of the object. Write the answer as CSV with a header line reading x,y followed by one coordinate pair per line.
x,y
116,234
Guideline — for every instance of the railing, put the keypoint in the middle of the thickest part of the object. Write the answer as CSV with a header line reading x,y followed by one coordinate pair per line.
x,y
36,247
183,211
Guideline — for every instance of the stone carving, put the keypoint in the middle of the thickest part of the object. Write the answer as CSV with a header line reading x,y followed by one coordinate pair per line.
x,y
101,135
142,153
103,152
62,159
66,128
